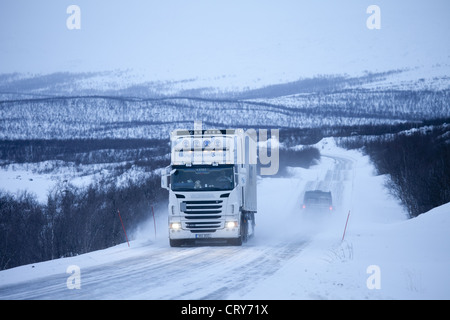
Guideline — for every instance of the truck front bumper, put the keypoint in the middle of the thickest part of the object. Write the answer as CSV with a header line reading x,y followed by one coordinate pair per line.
x,y
225,233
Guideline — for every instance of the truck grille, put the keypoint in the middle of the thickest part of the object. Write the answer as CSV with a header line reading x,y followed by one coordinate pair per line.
x,y
202,216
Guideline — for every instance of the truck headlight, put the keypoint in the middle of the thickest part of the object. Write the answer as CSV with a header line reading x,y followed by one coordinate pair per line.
x,y
175,225
231,224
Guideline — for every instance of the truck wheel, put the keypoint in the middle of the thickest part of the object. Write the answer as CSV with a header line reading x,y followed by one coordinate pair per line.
x,y
253,224
244,228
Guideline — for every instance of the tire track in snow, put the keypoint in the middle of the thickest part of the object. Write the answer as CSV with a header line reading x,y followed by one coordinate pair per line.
x,y
245,276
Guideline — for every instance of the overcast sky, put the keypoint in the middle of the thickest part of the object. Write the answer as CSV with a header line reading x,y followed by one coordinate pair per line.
x,y
180,39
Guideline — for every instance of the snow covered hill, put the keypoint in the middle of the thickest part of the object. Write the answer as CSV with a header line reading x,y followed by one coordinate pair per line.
x,y
293,256
99,117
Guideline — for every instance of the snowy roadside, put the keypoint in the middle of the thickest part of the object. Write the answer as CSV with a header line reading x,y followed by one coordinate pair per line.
x,y
383,256
39,179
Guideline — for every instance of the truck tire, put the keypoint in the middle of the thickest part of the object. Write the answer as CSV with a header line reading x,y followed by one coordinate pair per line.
x,y
244,228
243,237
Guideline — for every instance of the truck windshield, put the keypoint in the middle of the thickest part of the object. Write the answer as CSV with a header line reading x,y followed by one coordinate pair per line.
x,y
203,178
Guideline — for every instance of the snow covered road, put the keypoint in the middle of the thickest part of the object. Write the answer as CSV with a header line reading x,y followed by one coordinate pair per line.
x,y
164,273
150,269
293,255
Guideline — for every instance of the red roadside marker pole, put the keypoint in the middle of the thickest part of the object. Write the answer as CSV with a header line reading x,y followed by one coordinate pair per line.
x,y
346,225
154,221
123,227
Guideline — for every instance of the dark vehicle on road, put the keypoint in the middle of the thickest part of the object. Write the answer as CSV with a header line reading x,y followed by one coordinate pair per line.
x,y
317,200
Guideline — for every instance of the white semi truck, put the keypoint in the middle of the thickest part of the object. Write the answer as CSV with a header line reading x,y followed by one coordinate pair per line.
x,y
212,186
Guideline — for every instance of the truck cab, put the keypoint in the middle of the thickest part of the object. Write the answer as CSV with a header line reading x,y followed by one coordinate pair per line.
x,y
212,187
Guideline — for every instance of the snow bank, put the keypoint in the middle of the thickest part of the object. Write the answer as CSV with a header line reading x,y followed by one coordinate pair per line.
x,y
413,256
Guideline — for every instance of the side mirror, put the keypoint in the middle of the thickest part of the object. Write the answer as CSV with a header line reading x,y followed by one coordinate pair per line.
x,y
165,179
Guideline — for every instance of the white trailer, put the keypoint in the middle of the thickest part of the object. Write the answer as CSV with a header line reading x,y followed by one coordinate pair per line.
x,y
212,186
